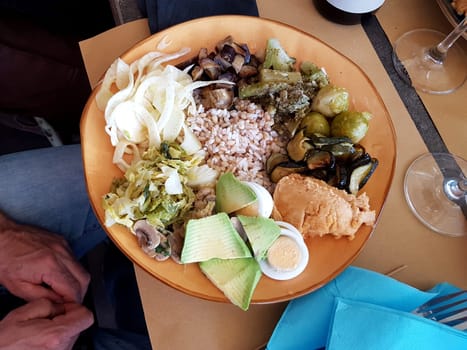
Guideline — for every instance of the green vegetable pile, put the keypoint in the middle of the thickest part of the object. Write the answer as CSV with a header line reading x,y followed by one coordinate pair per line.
x,y
155,188
324,134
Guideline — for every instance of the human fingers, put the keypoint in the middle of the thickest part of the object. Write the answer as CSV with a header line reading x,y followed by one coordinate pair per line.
x,y
64,329
46,275
75,319
66,273
80,275
67,280
39,308
30,291
42,324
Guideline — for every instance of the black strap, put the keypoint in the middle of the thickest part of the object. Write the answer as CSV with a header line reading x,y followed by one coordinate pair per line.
x,y
408,95
165,13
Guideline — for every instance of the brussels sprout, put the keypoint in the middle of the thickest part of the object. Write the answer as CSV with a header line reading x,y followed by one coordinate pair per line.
x,y
351,124
330,101
315,123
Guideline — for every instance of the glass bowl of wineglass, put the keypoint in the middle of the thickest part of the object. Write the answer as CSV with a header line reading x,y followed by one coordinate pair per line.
x,y
431,61
435,187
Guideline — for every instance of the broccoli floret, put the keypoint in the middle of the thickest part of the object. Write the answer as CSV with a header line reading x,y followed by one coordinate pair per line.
x,y
270,82
277,58
292,100
314,75
260,89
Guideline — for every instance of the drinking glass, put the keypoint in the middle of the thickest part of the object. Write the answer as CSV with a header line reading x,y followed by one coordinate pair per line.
x,y
430,61
435,187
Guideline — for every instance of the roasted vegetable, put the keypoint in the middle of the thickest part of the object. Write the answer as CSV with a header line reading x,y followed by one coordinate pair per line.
x,y
277,76
285,169
351,124
335,160
274,160
320,159
313,74
281,89
330,101
360,175
276,57
315,123
298,147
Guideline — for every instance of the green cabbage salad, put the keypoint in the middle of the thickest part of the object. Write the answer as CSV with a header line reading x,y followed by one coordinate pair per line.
x,y
158,187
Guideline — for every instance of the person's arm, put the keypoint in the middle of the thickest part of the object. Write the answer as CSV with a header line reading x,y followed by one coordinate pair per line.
x,y
42,324
38,264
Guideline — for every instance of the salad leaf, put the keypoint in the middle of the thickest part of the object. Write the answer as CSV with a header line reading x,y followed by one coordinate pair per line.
x,y
156,187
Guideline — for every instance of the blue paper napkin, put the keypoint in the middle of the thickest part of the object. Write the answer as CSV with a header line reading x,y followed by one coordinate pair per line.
x,y
306,320
364,326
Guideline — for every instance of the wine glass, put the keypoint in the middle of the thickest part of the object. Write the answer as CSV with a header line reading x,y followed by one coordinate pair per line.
x,y
430,61
435,187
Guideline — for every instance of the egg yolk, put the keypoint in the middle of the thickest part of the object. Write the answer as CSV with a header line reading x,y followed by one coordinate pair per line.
x,y
284,254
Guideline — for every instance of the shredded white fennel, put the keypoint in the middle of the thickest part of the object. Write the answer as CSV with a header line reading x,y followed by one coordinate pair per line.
x,y
145,103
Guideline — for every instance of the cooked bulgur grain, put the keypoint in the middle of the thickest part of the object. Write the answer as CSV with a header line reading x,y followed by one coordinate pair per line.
x,y
239,140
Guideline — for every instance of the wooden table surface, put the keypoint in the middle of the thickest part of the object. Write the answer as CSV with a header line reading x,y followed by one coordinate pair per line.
x,y
179,321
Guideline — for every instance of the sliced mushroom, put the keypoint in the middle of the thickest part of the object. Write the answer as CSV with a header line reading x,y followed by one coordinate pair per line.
x,y
197,72
203,53
221,98
163,251
228,40
222,62
148,237
228,76
228,53
210,67
243,50
176,242
238,62
247,71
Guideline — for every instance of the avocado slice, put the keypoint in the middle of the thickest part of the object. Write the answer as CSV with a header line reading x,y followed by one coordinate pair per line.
x,y
261,233
236,278
232,194
212,237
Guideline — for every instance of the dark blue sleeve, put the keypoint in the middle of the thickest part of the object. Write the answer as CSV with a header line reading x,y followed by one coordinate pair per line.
x,y
165,13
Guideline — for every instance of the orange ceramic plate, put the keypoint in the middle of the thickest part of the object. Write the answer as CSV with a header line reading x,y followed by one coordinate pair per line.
x,y
328,256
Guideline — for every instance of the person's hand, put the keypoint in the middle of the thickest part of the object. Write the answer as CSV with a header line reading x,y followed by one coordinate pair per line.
x,y
42,324
38,264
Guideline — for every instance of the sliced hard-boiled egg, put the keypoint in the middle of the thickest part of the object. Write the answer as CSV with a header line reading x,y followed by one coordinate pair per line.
x,y
288,256
262,206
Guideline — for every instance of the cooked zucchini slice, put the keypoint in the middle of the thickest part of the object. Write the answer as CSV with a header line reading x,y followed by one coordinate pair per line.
x,y
360,175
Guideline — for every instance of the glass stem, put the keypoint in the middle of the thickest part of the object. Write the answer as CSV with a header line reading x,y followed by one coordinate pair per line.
x,y
438,53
